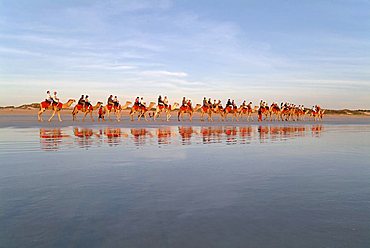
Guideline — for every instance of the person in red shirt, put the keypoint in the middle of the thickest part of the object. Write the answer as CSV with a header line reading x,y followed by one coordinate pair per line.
x,y
101,113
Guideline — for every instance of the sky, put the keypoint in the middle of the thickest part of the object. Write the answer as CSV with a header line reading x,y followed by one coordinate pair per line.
x,y
306,52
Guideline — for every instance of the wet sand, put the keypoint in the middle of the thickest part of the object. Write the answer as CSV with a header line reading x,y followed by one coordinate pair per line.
x,y
28,118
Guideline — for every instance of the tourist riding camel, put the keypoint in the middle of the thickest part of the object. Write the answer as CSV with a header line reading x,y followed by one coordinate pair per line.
x,y
54,105
85,107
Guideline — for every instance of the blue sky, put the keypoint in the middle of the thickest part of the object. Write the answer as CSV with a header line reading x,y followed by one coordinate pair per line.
x,y
305,52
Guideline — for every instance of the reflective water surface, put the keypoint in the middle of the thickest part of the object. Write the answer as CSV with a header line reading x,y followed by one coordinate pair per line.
x,y
183,186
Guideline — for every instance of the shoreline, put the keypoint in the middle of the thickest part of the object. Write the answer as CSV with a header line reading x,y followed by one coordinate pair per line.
x,y
28,118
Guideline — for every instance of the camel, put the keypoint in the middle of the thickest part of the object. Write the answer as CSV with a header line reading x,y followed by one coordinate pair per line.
x,y
89,110
187,110
300,114
275,110
45,105
248,111
141,109
264,111
206,110
116,109
235,112
162,108
318,115
286,113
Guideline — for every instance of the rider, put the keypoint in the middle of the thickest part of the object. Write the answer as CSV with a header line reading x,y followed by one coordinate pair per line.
x,y
137,101
55,98
189,104
214,104
87,102
165,101
110,100
244,104
205,102
234,104
81,101
115,101
48,97
141,102
160,101
249,105
183,101
228,103
209,103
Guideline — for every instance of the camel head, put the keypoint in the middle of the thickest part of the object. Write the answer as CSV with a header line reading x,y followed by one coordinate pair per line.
x,y
175,106
70,101
128,103
98,104
197,107
151,105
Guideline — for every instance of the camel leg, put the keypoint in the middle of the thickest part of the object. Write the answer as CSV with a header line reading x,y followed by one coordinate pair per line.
x,y
132,116
52,115
83,118
39,114
92,118
60,119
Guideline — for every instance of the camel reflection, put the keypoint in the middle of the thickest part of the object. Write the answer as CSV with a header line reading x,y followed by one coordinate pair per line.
x,y
186,134
164,135
84,137
114,136
211,134
140,136
316,130
51,139
276,133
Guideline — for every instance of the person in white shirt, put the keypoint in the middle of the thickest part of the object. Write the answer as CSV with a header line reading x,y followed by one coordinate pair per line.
x,y
48,97
55,97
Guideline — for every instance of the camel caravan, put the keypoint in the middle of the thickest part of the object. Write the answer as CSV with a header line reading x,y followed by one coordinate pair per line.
x,y
207,110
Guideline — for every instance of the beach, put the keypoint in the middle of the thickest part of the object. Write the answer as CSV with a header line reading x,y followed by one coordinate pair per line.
x,y
28,118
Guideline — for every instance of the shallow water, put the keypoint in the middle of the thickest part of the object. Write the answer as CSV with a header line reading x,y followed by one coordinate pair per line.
x,y
183,186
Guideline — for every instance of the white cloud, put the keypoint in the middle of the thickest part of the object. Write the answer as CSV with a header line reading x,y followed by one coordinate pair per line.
x,y
164,74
